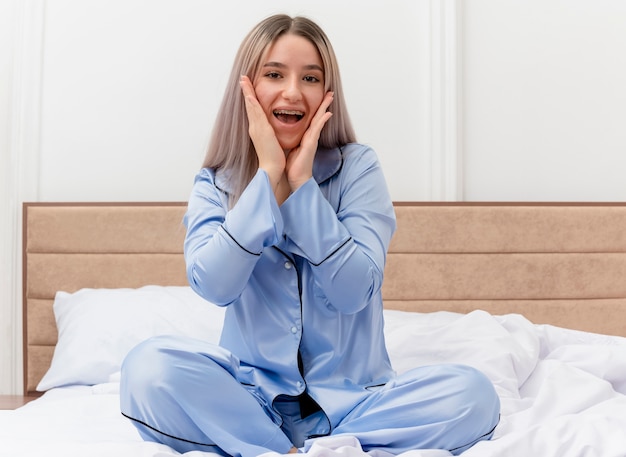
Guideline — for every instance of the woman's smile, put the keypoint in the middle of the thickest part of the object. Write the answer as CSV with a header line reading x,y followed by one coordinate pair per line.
x,y
288,116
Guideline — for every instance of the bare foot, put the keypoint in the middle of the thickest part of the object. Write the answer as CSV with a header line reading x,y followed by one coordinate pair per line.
x,y
293,450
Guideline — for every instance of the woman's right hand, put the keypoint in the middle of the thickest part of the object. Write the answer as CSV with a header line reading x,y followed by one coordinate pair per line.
x,y
268,150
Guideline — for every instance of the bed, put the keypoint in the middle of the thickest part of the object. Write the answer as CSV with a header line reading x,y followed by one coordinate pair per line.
x,y
532,294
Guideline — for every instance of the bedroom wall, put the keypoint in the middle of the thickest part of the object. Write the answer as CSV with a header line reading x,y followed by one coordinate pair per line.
x,y
8,309
462,99
544,99
131,88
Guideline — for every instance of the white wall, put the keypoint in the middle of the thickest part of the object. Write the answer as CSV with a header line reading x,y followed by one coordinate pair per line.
x,y
544,107
21,30
131,88
463,99
8,308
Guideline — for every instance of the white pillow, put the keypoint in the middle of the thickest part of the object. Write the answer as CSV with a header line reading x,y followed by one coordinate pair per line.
x,y
98,327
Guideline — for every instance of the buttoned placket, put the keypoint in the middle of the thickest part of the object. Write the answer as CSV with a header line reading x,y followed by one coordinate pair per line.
x,y
296,327
321,430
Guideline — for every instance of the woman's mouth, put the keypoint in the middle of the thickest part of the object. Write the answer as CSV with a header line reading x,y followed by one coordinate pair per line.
x,y
288,116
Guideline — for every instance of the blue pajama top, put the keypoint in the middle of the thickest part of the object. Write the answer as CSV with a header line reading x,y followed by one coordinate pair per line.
x,y
302,277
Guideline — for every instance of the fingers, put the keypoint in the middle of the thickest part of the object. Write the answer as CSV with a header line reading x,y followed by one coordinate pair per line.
x,y
253,107
322,115
258,124
269,153
247,89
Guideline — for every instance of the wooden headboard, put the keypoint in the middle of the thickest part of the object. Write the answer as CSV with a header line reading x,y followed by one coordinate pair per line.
x,y
556,263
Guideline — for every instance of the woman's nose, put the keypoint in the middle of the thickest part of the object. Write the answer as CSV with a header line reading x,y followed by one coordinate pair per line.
x,y
292,91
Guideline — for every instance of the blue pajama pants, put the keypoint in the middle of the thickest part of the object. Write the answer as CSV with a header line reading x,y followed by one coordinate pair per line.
x,y
183,393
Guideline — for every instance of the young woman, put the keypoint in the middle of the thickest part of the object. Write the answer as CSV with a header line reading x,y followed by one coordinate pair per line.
x,y
288,226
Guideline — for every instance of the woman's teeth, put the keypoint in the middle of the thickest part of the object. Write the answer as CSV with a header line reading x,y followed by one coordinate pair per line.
x,y
288,116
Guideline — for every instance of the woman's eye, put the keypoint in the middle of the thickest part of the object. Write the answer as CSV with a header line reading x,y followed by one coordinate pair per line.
x,y
272,75
311,79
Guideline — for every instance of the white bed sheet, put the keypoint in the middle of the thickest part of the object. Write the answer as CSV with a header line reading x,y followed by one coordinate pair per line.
x,y
563,393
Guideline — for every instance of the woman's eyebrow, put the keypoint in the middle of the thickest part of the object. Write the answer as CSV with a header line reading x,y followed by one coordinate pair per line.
x,y
275,64
282,65
313,67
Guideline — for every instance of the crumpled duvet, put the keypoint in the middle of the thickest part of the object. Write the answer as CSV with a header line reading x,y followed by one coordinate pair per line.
x,y
563,393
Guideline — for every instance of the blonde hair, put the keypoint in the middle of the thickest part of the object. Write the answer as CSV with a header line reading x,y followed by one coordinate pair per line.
x,y
230,147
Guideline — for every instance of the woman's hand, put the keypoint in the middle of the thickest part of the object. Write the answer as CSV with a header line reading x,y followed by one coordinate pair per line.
x,y
269,152
299,166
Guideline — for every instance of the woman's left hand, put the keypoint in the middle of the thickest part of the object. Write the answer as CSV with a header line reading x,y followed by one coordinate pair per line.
x,y
299,166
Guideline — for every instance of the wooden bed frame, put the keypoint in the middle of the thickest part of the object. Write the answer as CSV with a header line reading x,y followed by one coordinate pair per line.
x,y
556,263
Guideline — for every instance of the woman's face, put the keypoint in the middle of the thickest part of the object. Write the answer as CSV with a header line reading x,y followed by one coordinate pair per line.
x,y
290,87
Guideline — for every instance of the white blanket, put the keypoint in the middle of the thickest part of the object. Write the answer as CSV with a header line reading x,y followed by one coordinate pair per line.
x,y
563,393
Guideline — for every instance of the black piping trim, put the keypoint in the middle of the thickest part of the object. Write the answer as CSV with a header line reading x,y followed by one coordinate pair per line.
x,y
479,438
286,255
233,238
220,189
332,253
375,386
317,436
167,434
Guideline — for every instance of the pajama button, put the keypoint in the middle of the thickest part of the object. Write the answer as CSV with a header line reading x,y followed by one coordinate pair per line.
x,y
294,329
287,265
